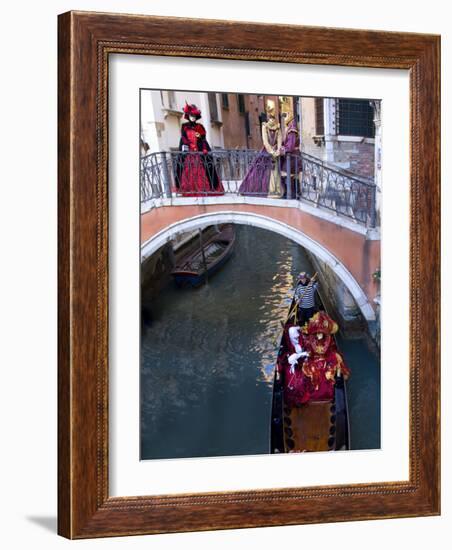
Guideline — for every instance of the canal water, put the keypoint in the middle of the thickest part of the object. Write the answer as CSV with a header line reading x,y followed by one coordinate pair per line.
x,y
207,360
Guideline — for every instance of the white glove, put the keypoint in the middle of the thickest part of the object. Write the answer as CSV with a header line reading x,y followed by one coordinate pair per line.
x,y
293,360
294,335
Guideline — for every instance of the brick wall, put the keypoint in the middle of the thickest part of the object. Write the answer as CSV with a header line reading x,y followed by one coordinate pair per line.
x,y
233,124
234,130
357,157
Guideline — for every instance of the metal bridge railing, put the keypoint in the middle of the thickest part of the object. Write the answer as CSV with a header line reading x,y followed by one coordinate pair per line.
x,y
302,177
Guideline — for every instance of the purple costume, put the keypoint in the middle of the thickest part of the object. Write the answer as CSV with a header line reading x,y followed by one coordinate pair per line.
x,y
291,145
264,169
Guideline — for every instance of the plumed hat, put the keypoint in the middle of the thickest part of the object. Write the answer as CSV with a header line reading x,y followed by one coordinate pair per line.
x,y
191,110
321,322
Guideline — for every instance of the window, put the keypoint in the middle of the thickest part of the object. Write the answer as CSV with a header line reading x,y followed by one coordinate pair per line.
x,y
355,117
225,101
171,100
319,125
241,103
168,100
213,106
247,124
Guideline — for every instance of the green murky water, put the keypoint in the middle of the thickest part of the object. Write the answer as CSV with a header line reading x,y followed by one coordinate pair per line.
x,y
208,358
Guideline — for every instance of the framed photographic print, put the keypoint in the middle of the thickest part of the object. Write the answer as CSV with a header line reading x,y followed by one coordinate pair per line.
x,y
248,223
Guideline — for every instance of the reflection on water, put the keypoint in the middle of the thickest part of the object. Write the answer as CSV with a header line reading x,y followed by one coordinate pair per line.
x,y
208,359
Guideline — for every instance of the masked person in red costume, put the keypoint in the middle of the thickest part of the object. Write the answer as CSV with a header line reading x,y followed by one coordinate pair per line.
x,y
309,373
196,174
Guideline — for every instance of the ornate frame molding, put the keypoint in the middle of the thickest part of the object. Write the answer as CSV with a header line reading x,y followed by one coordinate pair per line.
x,y
85,42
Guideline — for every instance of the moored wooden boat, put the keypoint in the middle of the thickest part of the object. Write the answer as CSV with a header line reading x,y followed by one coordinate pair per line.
x,y
317,425
196,267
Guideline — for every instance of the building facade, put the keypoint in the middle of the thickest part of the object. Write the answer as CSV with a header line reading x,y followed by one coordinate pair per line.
x,y
242,116
162,116
232,121
343,132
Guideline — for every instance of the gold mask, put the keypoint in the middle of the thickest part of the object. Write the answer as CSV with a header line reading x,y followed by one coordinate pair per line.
x,y
270,108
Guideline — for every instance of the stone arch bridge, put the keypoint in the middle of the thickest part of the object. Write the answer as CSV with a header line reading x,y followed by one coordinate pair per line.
x,y
349,249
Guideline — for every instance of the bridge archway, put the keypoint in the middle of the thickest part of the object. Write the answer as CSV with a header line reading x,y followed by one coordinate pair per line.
x,y
264,222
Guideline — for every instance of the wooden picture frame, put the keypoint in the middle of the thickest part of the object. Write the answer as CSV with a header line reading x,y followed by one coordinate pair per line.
x,y
86,40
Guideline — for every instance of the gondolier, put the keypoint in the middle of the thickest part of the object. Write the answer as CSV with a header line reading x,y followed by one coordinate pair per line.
x,y
305,297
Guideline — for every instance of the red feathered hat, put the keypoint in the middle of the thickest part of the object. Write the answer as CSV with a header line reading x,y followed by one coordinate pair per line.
x,y
191,110
321,322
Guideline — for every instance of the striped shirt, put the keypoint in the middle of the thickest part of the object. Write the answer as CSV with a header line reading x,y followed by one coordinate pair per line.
x,y
305,295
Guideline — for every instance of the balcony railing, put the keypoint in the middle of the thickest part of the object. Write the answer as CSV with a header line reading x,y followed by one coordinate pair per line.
x,y
303,177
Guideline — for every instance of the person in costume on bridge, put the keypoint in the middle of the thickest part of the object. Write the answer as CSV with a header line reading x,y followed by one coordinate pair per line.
x,y
196,174
263,178
290,158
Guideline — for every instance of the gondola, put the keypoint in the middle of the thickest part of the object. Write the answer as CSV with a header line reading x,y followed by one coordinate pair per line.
x,y
198,266
313,426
